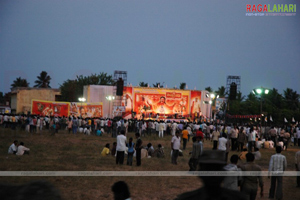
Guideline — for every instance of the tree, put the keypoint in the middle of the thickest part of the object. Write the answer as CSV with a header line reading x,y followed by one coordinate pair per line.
x,y
182,86
143,84
158,84
19,82
209,89
221,92
43,80
2,102
71,90
291,99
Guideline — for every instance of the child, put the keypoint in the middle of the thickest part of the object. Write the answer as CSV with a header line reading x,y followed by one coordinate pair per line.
x,y
105,150
130,146
99,133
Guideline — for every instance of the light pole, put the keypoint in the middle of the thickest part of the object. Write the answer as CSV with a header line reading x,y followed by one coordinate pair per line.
x,y
261,91
110,98
212,96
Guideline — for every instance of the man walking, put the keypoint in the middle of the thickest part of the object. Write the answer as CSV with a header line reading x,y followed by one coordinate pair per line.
x,y
249,183
175,145
138,148
121,147
277,166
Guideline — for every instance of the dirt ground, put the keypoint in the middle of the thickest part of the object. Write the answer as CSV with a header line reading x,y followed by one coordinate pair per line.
x,y
68,152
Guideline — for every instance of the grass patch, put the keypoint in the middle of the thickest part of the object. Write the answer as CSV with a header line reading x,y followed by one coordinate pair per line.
x,y
68,152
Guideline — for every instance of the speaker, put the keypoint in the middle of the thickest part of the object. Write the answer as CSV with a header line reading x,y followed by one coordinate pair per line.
x,y
233,91
120,85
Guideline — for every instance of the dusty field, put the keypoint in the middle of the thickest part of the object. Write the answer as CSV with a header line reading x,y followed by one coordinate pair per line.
x,y
67,152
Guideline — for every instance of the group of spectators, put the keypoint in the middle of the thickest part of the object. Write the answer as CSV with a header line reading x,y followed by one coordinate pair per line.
x,y
122,147
18,149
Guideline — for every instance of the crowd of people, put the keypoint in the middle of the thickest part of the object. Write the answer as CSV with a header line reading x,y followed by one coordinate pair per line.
x,y
246,140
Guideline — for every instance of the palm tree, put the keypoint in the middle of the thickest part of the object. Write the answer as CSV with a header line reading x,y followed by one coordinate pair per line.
x,y
43,80
182,86
143,84
158,84
221,91
19,82
209,89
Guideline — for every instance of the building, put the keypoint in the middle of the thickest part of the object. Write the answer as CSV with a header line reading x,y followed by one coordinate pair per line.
x,y
21,97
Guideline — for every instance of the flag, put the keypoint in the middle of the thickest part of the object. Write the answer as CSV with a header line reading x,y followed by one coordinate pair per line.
x,y
271,119
293,120
266,119
285,120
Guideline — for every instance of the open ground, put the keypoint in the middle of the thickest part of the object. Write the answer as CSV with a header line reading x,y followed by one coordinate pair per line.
x,y
68,152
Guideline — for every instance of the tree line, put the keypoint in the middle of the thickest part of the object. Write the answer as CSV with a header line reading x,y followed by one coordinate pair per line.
x,y
274,104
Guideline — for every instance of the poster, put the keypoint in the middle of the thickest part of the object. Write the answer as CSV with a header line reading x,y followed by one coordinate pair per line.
x,y
161,101
127,100
49,108
195,104
85,110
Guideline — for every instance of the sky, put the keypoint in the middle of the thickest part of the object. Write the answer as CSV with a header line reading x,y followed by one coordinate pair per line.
x,y
169,41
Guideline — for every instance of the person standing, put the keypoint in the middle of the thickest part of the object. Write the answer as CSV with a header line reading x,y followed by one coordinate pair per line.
x,y
234,133
175,145
231,182
251,139
298,136
185,136
161,129
241,139
74,125
249,183
196,153
215,138
138,148
130,146
297,165
121,147
277,166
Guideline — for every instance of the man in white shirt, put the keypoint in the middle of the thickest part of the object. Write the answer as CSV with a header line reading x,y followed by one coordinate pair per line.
x,y
22,150
121,147
175,145
174,128
277,166
222,143
13,148
161,129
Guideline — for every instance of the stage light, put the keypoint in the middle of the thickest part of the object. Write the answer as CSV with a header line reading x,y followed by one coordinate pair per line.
x,y
258,91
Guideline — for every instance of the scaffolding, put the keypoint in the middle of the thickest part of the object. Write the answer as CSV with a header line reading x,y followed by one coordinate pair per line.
x,y
230,80
119,99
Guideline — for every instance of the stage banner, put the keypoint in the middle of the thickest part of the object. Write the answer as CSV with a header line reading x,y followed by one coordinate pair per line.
x,y
50,108
195,103
85,110
162,101
127,101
